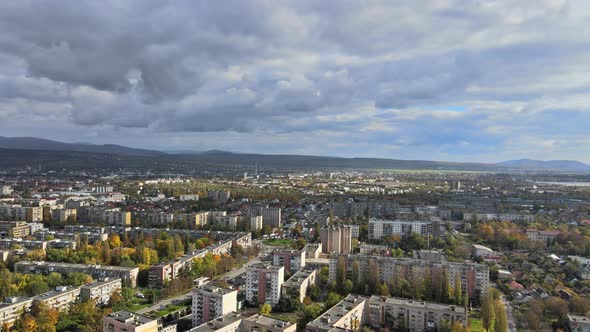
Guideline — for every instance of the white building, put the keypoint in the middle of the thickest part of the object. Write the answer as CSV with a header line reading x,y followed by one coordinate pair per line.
x,y
264,283
210,302
6,190
292,260
380,228
101,291
256,223
185,198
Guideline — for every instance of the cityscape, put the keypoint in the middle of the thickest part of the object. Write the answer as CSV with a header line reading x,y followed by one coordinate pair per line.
x,y
294,166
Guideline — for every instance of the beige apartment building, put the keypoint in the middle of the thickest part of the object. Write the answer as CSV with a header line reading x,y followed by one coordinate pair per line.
x,y
336,239
210,302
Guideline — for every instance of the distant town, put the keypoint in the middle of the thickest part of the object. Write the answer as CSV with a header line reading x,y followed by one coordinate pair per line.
x,y
342,250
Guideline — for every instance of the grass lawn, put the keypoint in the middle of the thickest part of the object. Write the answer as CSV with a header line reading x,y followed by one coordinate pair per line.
x,y
169,309
136,307
475,324
292,317
278,242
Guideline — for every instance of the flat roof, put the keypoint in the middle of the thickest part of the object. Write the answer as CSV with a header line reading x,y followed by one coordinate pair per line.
x,y
218,323
129,317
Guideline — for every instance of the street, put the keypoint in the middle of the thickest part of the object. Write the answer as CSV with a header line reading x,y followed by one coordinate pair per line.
x,y
185,296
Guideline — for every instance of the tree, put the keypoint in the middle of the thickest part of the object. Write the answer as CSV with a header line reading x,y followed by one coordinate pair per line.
x,y
458,291
374,281
500,323
355,275
264,309
332,299
487,311
340,273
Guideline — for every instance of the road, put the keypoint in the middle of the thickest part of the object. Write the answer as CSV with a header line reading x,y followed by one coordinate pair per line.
x,y
185,296
509,316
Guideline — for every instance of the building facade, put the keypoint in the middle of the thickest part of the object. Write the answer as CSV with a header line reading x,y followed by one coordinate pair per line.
x,y
264,283
210,302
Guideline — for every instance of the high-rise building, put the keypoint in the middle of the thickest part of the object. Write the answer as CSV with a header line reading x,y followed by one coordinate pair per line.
x,y
263,283
292,260
256,223
336,239
270,215
210,302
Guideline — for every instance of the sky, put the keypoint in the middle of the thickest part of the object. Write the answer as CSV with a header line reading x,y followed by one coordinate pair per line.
x,y
466,80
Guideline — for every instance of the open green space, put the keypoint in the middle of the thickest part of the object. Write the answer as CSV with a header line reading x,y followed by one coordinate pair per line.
x,y
278,242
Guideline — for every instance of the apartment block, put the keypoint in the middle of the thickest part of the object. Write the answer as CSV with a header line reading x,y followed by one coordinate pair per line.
x,y
235,322
270,215
101,291
128,275
336,239
256,223
474,277
127,321
210,302
381,228
64,215
191,197
312,250
60,298
14,229
263,283
385,312
292,260
297,285
11,309
219,195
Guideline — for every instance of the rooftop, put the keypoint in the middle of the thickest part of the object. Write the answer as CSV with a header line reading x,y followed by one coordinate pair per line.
x,y
129,317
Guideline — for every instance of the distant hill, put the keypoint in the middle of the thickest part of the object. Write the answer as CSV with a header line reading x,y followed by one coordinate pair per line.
x,y
33,143
549,165
35,152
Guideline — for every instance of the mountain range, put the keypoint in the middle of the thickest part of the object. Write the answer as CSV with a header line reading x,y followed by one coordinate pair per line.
x,y
30,151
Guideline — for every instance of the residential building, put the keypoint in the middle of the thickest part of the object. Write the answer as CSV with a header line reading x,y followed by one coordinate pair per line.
x,y
542,236
386,312
234,322
373,249
64,215
127,274
192,197
101,291
270,215
578,323
60,298
380,228
263,283
336,239
12,308
14,229
312,250
219,195
474,277
6,190
479,250
127,321
292,260
210,302
256,223
297,285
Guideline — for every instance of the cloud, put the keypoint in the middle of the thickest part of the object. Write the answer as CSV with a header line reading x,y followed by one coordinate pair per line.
x,y
383,72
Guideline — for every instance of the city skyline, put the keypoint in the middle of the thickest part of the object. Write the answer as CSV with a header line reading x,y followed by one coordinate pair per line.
x,y
482,81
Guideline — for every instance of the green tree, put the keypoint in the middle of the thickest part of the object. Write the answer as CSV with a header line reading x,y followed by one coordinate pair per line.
x,y
500,323
458,291
488,313
264,309
340,273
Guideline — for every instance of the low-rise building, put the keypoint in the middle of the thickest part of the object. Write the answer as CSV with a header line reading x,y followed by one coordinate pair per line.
x,y
127,274
60,298
235,322
578,323
101,291
297,285
11,309
127,321
479,250
378,312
